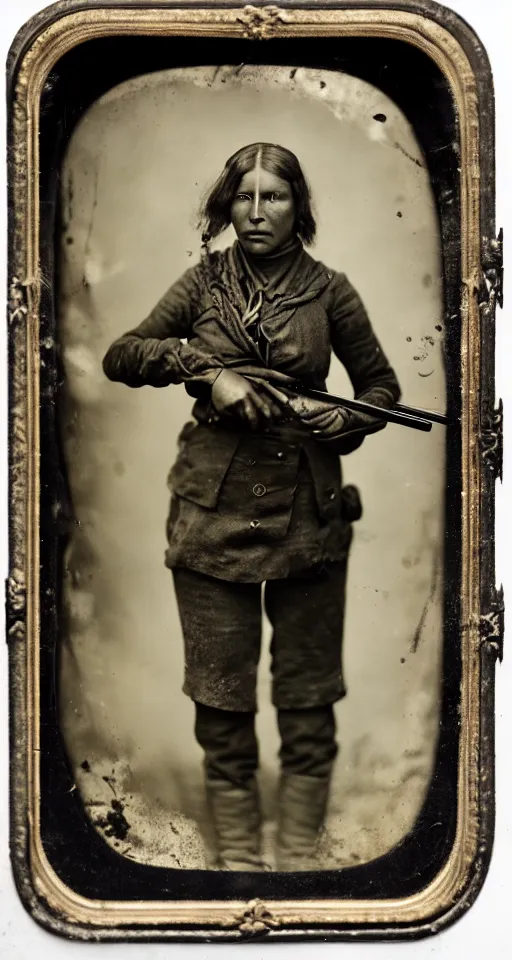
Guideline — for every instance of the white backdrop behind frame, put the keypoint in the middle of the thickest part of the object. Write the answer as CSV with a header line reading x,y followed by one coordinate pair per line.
x,y
137,165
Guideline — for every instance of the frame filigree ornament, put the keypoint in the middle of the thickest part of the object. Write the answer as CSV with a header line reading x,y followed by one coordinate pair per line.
x,y
439,37
491,439
261,23
256,919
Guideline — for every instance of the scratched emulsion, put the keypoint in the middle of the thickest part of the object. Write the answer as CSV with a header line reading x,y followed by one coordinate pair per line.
x,y
136,168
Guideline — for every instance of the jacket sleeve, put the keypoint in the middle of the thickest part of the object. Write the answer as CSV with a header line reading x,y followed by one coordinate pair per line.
x,y
153,352
358,349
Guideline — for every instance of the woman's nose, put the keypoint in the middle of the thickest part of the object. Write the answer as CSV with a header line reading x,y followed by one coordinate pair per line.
x,y
254,215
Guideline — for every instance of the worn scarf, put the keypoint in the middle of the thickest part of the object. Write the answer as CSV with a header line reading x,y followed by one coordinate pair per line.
x,y
249,291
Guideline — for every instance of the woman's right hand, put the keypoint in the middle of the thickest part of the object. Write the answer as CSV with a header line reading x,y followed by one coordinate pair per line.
x,y
233,395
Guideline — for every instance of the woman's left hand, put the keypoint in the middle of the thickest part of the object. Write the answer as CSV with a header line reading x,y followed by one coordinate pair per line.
x,y
321,418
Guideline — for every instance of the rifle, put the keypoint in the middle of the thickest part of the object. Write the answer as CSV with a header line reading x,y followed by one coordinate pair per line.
x,y
413,417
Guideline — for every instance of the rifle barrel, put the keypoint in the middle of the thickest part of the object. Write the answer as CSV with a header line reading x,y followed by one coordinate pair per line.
x,y
412,417
431,415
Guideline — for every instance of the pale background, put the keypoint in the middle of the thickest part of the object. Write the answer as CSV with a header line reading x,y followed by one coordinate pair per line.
x,y
486,926
131,180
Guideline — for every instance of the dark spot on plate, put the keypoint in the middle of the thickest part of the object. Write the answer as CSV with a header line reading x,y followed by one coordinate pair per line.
x,y
322,84
115,823
69,241
409,339
438,327
85,765
292,73
380,117
402,659
399,213
427,280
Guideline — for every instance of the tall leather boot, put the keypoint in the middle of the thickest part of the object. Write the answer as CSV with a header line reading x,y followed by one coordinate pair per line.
x,y
236,818
301,814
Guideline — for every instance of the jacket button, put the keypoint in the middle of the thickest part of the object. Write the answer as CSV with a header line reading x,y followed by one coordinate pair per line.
x,y
254,524
280,455
259,490
331,493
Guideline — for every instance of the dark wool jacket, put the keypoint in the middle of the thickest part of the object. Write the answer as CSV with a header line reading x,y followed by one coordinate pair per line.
x,y
198,328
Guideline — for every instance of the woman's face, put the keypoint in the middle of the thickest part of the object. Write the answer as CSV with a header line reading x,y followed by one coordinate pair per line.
x,y
263,211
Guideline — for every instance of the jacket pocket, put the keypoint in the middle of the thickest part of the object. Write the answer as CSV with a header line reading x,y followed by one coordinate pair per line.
x,y
204,457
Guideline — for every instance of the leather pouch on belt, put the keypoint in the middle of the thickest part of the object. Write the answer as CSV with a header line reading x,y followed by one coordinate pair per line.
x,y
351,506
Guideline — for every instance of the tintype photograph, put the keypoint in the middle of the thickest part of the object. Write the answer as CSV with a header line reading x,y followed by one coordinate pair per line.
x,y
279,598
254,669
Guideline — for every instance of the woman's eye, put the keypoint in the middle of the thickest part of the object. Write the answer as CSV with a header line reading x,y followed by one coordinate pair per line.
x,y
242,196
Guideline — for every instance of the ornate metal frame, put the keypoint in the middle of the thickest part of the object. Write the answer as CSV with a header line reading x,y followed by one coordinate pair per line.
x,y
457,53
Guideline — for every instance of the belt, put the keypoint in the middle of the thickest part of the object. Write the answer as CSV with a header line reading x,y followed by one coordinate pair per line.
x,y
286,431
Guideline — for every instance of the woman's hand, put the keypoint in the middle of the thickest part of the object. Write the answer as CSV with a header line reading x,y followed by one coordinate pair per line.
x,y
323,419
233,395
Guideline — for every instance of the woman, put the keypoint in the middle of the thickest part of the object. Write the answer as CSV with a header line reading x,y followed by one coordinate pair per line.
x,y
256,490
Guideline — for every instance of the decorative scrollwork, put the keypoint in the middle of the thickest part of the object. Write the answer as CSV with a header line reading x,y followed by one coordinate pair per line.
x,y
492,266
260,23
16,594
492,624
15,606
16,631
256,919
17,305
491,441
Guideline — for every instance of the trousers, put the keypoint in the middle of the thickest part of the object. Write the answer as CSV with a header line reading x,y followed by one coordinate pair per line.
x,y
221,624
228,739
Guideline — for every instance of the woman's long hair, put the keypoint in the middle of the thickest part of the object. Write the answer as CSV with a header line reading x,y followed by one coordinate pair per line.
x,y
215,213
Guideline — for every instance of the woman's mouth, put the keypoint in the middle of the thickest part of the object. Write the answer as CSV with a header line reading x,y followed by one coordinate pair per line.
x,y
257,234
